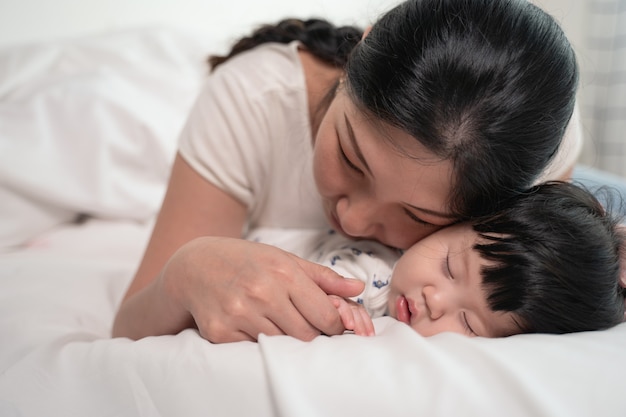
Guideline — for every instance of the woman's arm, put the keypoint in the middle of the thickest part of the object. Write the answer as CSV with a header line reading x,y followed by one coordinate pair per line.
x,y
231,289
190,209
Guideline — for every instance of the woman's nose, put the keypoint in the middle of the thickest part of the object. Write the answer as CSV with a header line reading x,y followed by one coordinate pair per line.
x,y
435,304
357,216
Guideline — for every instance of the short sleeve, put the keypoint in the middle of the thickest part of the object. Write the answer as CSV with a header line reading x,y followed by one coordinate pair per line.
x,y
226,135
249,134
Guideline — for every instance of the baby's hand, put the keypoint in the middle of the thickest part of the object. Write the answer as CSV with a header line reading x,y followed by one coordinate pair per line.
x,y
354,316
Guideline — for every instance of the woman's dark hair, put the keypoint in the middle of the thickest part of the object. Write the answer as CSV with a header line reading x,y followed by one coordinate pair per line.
x,y
489,85
554,261
330,43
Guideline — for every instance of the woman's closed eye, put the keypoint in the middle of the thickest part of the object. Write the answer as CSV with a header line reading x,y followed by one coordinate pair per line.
x,y
347,160
417,219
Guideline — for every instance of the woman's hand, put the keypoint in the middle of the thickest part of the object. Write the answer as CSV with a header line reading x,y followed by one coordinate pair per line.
x,y
353,316
236,289
230,289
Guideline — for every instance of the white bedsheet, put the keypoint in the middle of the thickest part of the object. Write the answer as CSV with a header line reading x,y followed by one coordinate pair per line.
x,y
57,301
60,289
90,125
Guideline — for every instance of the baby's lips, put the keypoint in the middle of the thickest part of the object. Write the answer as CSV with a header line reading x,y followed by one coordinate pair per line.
x,y
402,310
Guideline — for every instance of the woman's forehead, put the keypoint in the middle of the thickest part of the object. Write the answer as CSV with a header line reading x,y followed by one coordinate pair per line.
x,y
374,127
419,179
403,168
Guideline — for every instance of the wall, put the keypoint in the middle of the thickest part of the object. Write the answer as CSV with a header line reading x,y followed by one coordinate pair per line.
x,y
28,20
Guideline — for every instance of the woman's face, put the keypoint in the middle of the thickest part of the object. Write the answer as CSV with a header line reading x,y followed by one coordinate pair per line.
x,y
437,287
371,190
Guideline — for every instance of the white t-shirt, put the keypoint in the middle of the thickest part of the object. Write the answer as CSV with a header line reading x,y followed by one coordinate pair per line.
x,y
249,133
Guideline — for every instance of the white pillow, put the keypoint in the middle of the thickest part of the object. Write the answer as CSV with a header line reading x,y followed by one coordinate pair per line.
x,y
90,125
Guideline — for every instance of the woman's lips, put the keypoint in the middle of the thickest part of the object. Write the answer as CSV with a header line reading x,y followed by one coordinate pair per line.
x,y
402,310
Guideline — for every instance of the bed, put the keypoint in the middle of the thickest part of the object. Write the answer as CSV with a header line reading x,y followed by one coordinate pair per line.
x,y
86,141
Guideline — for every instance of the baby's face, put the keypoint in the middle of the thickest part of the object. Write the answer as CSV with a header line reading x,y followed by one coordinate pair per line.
x,y
437,287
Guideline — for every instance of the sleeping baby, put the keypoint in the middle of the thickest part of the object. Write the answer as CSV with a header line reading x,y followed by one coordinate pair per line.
x,y
548,263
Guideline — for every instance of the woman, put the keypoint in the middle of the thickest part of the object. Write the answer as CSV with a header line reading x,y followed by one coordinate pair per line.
x,y
444,110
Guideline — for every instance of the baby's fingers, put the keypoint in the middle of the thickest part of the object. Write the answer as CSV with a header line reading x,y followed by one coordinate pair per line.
x,y
363,325
344,310
367,323
353,316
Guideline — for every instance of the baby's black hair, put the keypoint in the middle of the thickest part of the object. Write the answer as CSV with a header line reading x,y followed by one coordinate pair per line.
x,y
554,257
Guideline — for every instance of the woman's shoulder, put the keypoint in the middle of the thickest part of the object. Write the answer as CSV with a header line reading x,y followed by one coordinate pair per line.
x,y
288,69
265,67
247,125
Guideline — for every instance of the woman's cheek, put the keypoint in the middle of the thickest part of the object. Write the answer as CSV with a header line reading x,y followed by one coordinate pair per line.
x,y
405,234
319,175
325,171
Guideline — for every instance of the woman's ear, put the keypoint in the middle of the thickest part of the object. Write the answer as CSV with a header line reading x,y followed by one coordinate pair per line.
x,y
366,32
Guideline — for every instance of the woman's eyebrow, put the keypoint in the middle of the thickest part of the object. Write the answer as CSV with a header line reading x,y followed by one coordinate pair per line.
x,y
355,145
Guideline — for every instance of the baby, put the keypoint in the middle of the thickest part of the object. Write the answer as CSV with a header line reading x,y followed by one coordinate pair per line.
x,y
549,263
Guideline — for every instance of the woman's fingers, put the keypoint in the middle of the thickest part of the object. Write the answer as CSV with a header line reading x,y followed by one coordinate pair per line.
x,y
311,296
222,331
329,281
284,319
213,336
314,305
237,289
